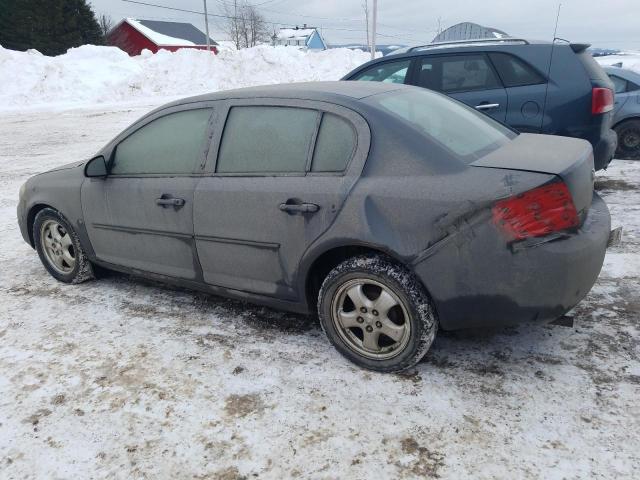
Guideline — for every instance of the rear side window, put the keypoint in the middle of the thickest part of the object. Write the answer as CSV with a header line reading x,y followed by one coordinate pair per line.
x,y
266,140
513,71
620,84
462,130
390,72
171,144
335,145
457,73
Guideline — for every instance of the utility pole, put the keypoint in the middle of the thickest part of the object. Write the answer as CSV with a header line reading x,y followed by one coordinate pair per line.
x,y
206,25
373,29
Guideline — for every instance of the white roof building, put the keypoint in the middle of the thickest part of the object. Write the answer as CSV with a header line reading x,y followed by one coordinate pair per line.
x,y
306,37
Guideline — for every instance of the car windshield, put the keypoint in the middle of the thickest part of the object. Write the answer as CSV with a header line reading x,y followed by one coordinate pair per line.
x,y
466,133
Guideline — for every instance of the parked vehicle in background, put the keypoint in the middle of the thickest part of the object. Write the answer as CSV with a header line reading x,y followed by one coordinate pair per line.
x,y
626,113
513,81
390,210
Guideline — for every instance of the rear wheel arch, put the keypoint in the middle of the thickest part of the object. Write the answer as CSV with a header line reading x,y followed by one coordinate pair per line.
x,y
625,120
326,261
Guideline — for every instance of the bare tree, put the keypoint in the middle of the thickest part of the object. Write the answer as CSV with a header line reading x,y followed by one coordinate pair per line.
x,y
245,24
106,22
439,28
365,7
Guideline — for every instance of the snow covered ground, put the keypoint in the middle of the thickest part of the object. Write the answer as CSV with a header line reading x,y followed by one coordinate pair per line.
x,y
630,60
123,378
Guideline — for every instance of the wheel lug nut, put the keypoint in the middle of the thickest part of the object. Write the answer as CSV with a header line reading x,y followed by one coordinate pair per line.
x,y
363,310
369,328
378,324
360,319
375,312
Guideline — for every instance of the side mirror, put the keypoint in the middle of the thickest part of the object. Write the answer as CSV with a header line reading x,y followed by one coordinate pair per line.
x,y
96,167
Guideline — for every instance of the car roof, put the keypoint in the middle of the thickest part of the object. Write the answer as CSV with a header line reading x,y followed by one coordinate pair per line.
x,y
480,45
464,46
334,92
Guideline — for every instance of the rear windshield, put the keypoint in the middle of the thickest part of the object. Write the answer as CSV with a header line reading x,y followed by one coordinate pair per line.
x,y
465,132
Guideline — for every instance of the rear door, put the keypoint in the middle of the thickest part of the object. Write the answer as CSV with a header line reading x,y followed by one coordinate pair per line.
x,y
141,215
469,78
280,171
526,89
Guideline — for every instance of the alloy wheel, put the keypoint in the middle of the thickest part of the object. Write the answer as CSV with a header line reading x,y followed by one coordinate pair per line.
x,y
57,246
371,319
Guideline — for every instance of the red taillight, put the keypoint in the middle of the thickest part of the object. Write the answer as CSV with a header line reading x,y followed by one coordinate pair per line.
x,y
536,213
601,100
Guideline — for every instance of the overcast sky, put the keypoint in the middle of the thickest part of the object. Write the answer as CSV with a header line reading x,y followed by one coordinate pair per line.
x,y
603,23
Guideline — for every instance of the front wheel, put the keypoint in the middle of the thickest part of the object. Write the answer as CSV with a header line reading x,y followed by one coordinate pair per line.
x,y
377,314
629,139
59,248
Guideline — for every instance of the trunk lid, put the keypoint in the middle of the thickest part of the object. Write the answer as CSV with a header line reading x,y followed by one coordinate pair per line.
x,y
570,159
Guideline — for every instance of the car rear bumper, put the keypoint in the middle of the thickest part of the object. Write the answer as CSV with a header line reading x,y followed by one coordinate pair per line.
x,y
604,149
476,280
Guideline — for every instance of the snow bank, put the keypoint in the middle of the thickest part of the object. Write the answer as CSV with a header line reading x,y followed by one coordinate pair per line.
x,y
628,60
89,74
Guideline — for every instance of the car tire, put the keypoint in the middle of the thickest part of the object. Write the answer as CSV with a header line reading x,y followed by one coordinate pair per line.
x,y
59,248
388,325
628,139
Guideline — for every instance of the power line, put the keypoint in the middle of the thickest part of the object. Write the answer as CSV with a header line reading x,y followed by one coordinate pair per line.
x,y
215,15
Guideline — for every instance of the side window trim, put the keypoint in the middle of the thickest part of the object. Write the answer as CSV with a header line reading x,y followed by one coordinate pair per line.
x,y
204,147
314,141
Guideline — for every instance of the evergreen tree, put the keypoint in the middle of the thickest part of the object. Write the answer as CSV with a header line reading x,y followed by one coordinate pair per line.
x,y
49,26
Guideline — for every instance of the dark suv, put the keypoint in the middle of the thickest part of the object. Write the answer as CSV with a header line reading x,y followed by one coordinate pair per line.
x,y
534,87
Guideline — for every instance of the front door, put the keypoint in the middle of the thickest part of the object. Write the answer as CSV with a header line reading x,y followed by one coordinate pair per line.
x,y
281,176
141,215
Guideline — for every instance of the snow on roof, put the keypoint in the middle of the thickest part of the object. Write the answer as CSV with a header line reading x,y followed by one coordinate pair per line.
x,y
170,33
295,33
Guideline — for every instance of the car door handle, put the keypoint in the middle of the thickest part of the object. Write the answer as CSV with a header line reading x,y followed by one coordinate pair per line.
x,y
299,207
170,202
487,106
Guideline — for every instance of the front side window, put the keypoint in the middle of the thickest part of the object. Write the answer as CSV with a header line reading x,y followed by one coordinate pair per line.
x,y
335,145
266,139
513,71
390,72
168,145
466,133
457,73
620,84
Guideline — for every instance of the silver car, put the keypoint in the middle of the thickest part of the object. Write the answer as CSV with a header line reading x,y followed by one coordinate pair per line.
x,y
626,118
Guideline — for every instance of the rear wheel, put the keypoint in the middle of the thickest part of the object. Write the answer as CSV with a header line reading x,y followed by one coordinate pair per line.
x,y
629,139
376,313
59,248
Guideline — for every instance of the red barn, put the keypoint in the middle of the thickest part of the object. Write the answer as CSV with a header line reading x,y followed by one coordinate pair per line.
x,y
133,36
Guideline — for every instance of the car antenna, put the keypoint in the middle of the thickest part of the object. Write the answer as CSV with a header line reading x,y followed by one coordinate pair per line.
x,y
553,44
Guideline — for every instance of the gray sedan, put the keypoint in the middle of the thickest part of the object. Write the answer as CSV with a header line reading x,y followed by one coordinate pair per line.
x,y
390,210
626,120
